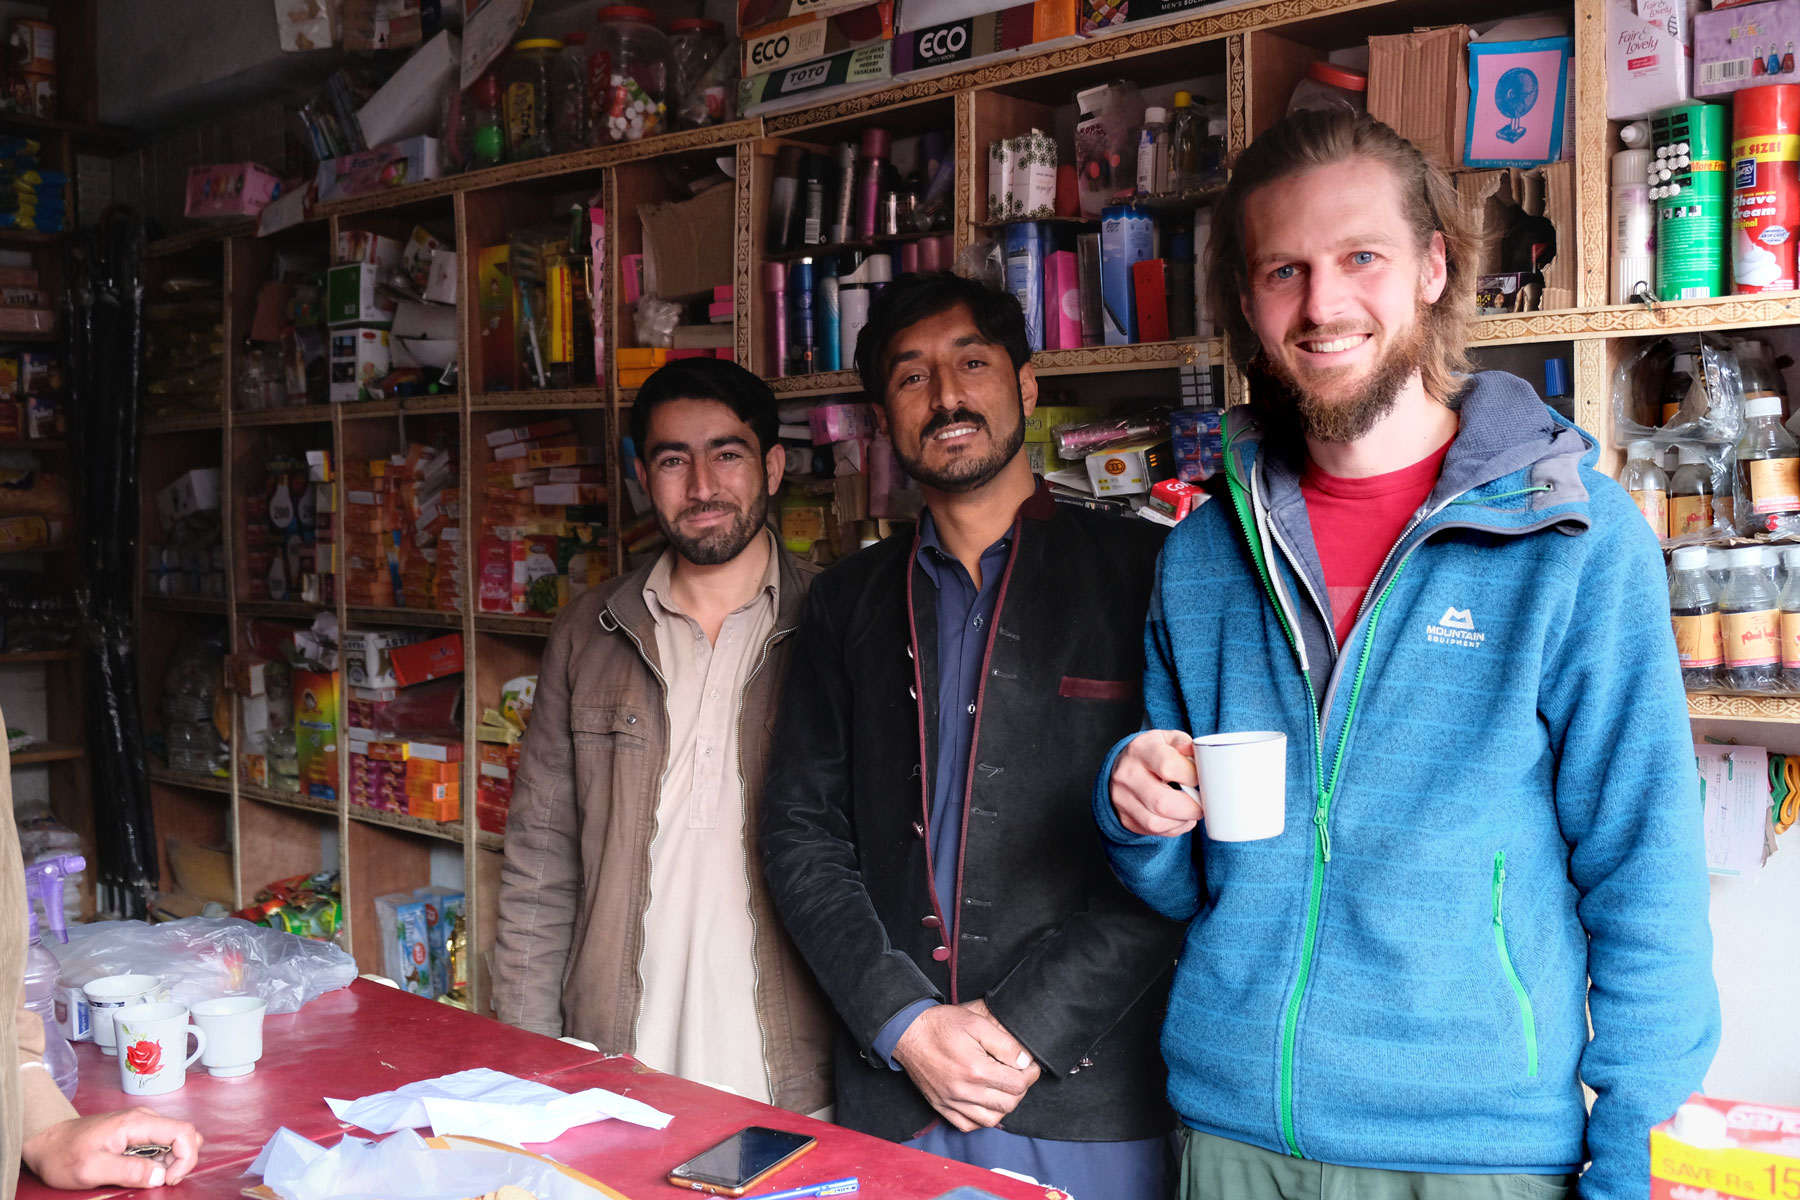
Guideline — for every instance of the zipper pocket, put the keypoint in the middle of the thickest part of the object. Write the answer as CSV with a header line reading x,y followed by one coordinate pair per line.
x,y
1512,976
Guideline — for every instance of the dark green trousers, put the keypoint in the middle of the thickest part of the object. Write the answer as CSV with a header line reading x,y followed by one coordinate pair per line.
x,y
1215,1168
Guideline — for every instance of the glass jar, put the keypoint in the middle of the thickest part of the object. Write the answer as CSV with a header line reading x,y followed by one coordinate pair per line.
x,y
1328,85
628,76
568,95
701,83
525,92
487,137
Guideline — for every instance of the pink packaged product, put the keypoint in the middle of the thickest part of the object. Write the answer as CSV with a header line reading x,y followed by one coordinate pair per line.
x,y
230,190
370,171
841,423
1733,46
1062,302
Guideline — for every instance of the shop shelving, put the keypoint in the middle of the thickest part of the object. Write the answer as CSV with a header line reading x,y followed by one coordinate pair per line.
x,y
1255,50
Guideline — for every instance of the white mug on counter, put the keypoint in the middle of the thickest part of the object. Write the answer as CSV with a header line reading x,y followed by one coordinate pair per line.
x,y
152,1047
106,996
233,1026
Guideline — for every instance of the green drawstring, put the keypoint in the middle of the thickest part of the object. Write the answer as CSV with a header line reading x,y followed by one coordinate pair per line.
x,y
1542,487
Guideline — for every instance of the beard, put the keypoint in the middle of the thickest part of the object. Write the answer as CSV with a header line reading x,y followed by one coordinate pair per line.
x,y
1292,408
968,472
721,543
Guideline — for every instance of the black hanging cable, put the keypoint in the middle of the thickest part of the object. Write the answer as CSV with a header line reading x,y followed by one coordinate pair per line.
x,y
104,313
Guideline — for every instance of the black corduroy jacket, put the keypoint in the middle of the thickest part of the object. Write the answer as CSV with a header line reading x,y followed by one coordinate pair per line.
x,y
1069,962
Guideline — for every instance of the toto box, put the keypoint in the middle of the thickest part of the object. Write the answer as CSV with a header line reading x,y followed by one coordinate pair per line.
x,y
1726,1150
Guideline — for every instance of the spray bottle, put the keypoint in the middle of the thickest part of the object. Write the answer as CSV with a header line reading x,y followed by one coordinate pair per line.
x,y
45,880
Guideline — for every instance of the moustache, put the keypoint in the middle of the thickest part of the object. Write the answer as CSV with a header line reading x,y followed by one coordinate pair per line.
x,y
943,421
707,506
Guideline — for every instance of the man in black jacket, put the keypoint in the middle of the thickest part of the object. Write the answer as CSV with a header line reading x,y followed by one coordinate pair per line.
x,y
926,830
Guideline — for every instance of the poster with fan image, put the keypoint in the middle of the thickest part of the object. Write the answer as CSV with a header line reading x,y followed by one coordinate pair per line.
x,y
1516,96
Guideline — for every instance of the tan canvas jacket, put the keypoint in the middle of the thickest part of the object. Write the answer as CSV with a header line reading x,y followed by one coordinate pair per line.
x,y
575,881
29,1098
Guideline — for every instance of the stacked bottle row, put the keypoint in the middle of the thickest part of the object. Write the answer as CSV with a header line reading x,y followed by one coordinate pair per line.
x,y
1736,617
1750,488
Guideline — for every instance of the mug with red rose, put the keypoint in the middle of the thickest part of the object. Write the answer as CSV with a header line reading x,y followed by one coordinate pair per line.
x,y
152,1040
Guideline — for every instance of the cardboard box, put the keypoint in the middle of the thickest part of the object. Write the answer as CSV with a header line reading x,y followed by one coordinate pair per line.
x,y
440,281
753,14
866,64
1127,236
977,37
404,930
1130,470
359,245
407,104
351,297
194,492
1490,198
1097,16
802,39
367,654
230,190
1517,98
316,731
426,660
1647,65
1419,85
393,165
444,915
1726,41
681,241
1726,1150
358,358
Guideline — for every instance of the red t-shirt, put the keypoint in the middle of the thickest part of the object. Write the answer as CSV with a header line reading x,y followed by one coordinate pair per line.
x,y
1355,522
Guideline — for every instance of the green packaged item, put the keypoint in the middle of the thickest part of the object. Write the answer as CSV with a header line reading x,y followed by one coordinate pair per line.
x,y
1690,192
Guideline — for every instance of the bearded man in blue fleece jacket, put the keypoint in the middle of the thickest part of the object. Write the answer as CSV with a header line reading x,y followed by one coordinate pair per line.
x,y
1493,824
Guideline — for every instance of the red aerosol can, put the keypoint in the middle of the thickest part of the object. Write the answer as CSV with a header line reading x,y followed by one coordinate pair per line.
x,y
1765,188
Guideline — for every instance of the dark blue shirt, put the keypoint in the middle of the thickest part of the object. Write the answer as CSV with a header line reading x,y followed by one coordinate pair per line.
x,y
965,614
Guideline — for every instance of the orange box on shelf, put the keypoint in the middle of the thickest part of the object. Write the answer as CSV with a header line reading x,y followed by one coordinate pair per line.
x,y
432,659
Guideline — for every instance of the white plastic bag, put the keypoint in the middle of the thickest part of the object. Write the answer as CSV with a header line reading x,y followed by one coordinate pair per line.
x,y
200,958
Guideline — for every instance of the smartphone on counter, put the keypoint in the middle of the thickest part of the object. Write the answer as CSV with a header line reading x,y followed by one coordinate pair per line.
x,y
741,1161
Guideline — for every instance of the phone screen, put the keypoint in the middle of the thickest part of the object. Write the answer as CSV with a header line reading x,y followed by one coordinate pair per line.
x,y
741,1157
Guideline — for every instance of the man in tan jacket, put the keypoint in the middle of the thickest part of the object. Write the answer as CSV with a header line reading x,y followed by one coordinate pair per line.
x,y
38,1126
633,912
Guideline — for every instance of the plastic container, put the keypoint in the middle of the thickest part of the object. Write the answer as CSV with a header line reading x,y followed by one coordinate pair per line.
x,y
568,95
628,76
1648,486
1634,226
1329,86
1790,619
1768,467
525,97
1153,153
699,80
487,142
1185,142
1751,621
1691,494
1689,181
1694,613
44,880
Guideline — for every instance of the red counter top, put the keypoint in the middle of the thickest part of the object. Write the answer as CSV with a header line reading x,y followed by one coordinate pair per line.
x,y
369,1038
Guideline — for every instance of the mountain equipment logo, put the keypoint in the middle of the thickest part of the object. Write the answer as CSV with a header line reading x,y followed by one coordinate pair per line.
x,y
1455,628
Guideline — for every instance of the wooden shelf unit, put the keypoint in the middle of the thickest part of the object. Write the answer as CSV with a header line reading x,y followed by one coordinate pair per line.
x,y
1256,51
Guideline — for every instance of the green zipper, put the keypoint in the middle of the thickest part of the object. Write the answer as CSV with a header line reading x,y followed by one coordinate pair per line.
x,y
1321,811
1512,976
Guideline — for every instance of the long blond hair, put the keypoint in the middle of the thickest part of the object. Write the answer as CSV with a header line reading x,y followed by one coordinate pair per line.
x,y
1304,141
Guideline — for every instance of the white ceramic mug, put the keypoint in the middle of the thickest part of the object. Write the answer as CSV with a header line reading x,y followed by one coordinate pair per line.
x,y
1243,785
74,1019
233,1027
107,996
152,1041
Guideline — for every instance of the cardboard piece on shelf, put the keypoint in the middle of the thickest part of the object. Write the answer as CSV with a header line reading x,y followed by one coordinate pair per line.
x,y
370,171
230,190
865,64
1419,86
194,492
1491,200
805,38
1517,102
972,38
687,243
407,104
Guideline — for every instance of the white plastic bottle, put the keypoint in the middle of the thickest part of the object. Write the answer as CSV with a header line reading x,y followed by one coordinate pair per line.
x,y
1153,153
1634,226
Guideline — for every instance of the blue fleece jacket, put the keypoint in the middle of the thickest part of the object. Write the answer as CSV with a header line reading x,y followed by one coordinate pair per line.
x,y
1491,801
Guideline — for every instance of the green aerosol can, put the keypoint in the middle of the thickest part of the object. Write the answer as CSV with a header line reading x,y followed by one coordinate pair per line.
x,y
1690,192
